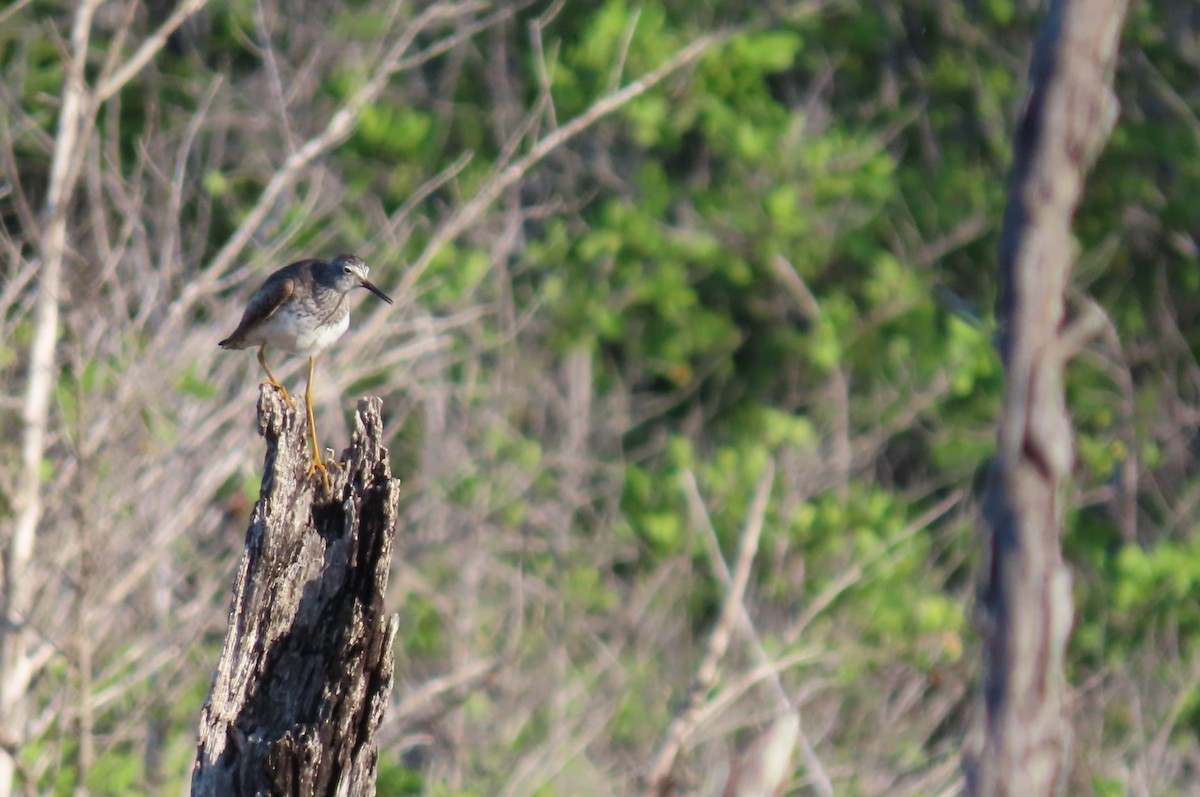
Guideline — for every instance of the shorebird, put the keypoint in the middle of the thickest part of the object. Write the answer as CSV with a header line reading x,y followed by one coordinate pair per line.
x,y
302,309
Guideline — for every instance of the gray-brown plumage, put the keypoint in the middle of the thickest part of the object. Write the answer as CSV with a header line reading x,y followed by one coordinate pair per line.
x,y
302,309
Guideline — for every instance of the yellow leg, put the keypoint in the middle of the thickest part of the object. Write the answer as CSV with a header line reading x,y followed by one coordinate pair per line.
x,y
317,464
262,359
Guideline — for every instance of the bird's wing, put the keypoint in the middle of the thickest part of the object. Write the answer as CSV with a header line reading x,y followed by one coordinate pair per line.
x,y
266,302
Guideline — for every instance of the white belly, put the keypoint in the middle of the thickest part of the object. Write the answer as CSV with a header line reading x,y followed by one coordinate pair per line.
x,y
288,333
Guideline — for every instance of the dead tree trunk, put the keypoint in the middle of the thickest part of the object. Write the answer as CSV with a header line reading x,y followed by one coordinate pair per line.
x,y
1024,610
306,671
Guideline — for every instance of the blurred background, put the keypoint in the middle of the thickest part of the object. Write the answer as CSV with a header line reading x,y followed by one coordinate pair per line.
x,y
651,261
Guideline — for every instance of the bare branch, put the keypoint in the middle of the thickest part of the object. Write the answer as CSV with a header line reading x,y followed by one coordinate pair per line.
x,y
15,669
12,10
111,84
784,703
469,213
340,126
658,778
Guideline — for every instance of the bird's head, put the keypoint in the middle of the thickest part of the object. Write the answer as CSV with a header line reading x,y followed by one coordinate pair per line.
x,y
350,272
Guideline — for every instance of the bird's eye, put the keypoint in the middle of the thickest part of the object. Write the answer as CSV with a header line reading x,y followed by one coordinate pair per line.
x,y
346,269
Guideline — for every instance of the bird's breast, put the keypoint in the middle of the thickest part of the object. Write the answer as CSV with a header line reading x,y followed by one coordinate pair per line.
x,y
304,334
322,336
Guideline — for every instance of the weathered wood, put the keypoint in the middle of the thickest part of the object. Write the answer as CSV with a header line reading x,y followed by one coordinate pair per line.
x,y
306,672
1024,606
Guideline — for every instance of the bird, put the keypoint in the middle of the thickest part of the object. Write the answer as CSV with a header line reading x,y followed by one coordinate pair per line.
x,y
302,309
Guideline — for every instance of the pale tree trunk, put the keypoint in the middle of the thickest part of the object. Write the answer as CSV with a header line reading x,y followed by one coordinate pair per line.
x,y
306,672
24,651
19,661
1024,612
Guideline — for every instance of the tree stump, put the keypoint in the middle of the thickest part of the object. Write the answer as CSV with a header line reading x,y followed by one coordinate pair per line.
x,y
306,671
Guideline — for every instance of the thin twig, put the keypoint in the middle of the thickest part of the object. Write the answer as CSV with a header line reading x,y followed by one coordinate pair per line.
x,y
111,84
696,505
469,213
426,188
12,10
855,573
267,48
545,81
618,69
684,724
16,668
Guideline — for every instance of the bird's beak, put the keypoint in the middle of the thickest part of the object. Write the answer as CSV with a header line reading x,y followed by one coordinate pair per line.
x,y
371,287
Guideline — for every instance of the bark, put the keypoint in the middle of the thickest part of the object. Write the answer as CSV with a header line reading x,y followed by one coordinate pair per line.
x,y
1024,609
306,671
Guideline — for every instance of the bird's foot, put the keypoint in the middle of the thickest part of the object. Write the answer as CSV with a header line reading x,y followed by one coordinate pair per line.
x,y
318,465
282,390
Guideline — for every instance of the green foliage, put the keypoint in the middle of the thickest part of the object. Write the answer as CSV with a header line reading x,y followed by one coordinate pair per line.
x,y
119,773
395,780
193,385
421,628
1151,582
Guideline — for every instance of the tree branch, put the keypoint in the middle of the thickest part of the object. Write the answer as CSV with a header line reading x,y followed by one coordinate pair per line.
x,y
659,780
15,672
1024,606
469,213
